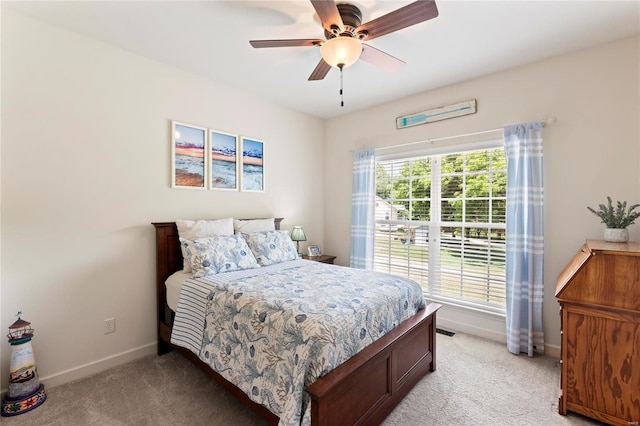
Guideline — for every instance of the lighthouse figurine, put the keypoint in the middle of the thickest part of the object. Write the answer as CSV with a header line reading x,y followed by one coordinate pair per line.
x,y
25,391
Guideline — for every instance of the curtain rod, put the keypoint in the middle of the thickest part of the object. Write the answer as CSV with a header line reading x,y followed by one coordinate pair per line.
x,y
550,120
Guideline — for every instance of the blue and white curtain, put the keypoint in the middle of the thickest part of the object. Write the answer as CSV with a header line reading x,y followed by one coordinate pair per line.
x,y
525,238
363,209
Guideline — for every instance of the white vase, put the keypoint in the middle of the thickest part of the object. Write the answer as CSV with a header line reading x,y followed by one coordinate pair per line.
x,y
616,235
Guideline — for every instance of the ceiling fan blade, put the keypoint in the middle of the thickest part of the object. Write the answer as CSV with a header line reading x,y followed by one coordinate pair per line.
x,y
328,13
380,59
287,43
321,71
411,14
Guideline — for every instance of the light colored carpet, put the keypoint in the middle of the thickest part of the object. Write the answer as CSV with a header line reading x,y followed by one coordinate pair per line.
x,y
477,382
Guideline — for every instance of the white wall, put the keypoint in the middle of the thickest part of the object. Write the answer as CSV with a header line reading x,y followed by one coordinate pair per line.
x,y
86,160
591,152
86,169
1,195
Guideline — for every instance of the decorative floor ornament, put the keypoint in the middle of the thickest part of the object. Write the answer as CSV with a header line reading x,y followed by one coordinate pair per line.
x,y
25,391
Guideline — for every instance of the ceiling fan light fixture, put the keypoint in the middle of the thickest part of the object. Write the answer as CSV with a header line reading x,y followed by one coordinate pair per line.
x,y
341,50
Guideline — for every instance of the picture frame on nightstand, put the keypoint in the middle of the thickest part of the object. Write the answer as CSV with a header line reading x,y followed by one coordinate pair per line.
x,y
314,251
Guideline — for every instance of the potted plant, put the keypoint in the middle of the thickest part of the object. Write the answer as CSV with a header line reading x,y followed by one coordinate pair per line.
x,y
617,219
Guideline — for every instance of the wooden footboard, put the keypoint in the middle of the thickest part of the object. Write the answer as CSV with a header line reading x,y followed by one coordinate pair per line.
x,y
366,388
363,390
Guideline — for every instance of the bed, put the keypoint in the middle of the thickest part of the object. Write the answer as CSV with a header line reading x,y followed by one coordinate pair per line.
x,y
362,390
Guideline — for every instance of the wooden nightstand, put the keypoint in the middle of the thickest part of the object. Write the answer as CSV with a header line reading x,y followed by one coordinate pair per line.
x,y
322,258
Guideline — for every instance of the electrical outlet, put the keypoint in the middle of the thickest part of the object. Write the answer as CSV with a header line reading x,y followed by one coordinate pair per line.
x,y
109,325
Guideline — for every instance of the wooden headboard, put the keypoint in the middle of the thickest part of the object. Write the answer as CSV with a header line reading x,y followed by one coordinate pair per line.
x,y
169,260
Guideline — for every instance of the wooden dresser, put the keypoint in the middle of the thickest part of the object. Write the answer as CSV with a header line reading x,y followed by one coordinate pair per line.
x,y
599,296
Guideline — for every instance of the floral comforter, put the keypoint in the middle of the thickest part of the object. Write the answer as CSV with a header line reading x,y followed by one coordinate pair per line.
x,y
274,333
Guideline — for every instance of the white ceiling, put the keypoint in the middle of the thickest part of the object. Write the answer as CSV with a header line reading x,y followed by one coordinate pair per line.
x,y
468,39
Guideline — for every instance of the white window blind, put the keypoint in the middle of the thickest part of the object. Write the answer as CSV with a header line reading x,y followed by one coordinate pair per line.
x,y
440,220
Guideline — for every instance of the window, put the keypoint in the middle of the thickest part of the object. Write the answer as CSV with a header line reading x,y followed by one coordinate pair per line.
x,y
440,220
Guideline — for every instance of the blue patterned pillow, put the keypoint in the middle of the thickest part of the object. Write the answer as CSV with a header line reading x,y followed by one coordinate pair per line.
x,y
270,247
222,253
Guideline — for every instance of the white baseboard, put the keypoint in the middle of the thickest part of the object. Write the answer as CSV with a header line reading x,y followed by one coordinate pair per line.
x,y
487,326
472,330
463,320
94,367
552,350
449,318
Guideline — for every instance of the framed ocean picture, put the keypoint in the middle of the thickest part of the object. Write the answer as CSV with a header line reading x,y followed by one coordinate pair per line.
x,y
252,165
223,160
189,156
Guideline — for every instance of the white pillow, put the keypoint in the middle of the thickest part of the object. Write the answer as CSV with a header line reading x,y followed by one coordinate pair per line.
x,y
255,225
192,229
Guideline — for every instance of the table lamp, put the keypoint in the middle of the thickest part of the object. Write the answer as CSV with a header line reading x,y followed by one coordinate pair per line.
x,y
297,235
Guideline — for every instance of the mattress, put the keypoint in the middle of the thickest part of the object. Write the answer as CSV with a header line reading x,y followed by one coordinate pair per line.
x,y
173,284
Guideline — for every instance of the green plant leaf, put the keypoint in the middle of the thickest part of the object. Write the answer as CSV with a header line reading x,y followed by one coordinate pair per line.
x,y
616,217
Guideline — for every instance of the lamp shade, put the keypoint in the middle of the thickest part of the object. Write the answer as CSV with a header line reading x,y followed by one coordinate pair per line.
x,y
341,50
297,234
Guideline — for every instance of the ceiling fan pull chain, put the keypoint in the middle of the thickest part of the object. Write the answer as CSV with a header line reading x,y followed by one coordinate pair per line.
x,y
341,94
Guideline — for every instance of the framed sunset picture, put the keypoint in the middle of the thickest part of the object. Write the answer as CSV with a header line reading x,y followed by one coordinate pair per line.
x,y
252,165
223,160
188,149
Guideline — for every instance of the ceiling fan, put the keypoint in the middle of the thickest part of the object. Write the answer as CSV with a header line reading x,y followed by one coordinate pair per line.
x,y
345,34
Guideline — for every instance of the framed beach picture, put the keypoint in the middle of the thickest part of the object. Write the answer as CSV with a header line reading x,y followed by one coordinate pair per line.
x,y
252,165
188,149
223,160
